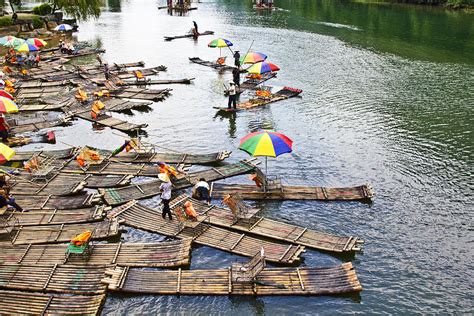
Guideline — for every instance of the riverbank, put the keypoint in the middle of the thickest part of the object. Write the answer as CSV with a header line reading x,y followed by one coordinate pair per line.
x,y
465,5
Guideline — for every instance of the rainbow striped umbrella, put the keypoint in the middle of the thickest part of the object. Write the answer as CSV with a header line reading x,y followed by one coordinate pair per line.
x,y
252,58
262,67
219,43
13,41
6,153
7,106
26,47
266,143
38,42
5,39
7,95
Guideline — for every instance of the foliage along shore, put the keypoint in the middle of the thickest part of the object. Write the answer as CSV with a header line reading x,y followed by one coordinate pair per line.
x,y
450,4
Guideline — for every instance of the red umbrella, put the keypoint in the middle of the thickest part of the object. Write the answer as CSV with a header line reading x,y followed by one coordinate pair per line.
x,y
7,95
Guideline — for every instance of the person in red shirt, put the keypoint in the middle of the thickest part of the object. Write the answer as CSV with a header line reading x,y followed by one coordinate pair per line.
x,y
4,129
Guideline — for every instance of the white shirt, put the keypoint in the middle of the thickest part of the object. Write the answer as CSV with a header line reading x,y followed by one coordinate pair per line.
x,y
165,187
202,184
232,90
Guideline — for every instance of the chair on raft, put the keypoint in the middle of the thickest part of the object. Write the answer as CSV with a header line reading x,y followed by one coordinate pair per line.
x,y
240,211
268,183
189,219
247,273
139,76
40,168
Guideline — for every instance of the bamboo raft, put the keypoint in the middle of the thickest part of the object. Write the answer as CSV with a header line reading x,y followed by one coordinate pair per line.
x,y
24,124
57,185
80,53
112,122
290,192
189,35
282,94
56,278
47,137
23,303
211,64
45,234
48,217
46,105
141,217
96,75
35,84
159,254
251,84
108,167
120,105
38,93
133,157
117,196
339,279
178,8
56,153
141,94
173,158
157,81
269,228
57,202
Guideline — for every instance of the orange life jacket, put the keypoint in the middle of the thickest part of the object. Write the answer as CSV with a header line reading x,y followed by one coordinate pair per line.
x,y
189,209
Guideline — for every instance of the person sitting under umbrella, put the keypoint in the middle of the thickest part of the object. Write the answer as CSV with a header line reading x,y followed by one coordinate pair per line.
x,y
5,198
4,129
201,191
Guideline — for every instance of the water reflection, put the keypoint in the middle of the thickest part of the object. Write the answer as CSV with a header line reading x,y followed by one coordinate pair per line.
x,y
231,117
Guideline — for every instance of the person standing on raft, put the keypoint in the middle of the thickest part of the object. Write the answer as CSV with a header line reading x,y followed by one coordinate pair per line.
x,y
237,59
236,77
232,96
165,189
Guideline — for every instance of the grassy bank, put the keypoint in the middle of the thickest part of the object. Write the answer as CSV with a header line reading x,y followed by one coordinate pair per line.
x,y
452,4
7,20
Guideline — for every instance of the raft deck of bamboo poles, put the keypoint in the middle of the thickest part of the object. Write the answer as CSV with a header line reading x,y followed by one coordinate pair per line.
x,y
273,229
291,192
57,202
339,279
63,233
158,254
55,278
117,196
48,217
25,303
141,217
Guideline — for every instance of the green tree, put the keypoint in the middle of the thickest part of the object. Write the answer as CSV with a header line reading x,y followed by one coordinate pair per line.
x,y
79,9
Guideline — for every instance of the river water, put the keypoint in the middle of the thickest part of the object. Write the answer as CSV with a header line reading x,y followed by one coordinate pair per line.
x,y
387,100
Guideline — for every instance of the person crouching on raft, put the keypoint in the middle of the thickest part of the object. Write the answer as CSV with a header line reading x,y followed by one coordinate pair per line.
x,y
201,191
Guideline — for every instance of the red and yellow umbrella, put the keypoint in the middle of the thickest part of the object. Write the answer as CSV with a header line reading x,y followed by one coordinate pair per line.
x,y
38,42
252,58
7,95
266,143
262,67
7,106
6,153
